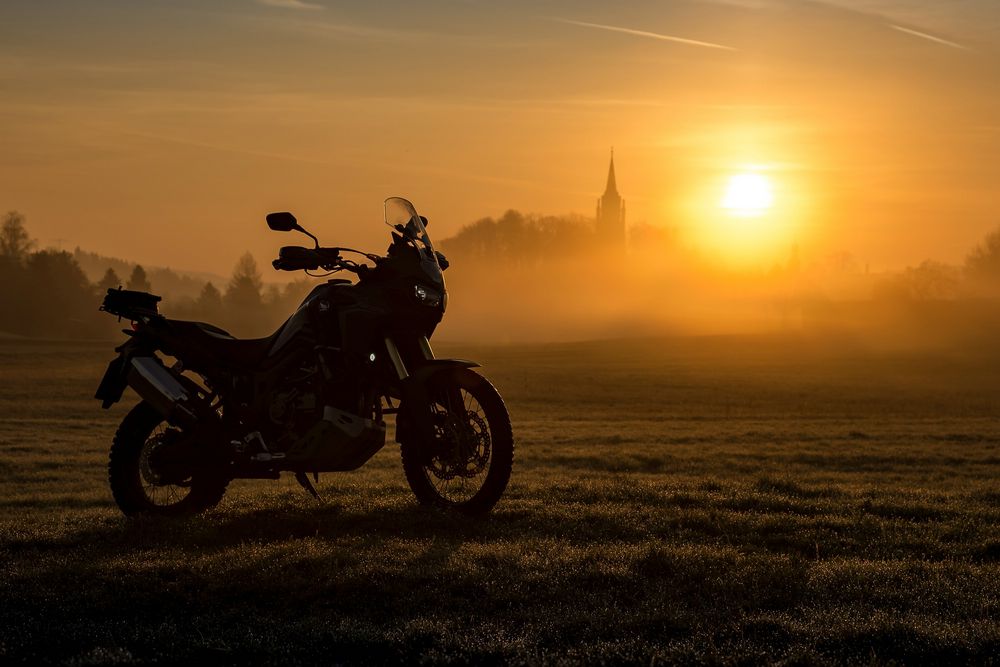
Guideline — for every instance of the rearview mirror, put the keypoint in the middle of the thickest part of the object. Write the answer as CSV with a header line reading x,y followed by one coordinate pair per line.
x,y
282,221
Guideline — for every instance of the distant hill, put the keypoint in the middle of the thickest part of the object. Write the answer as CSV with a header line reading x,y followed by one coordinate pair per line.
x,y
165,281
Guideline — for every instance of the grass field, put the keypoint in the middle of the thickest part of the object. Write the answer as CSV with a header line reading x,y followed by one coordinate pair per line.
x,y
713,500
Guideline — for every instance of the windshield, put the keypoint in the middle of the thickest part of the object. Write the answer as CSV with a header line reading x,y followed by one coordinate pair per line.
x,y
401,215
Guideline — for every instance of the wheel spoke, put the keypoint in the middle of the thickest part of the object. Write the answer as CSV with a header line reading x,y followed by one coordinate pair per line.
x,y
157,494
463,463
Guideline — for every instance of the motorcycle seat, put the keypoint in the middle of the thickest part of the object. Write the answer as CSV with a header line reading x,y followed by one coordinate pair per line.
x,y
218,346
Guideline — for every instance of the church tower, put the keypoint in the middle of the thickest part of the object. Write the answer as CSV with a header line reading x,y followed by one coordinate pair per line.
x,y
611,213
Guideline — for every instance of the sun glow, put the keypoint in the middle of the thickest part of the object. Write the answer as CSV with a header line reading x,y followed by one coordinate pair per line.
x,y
749,212
748,195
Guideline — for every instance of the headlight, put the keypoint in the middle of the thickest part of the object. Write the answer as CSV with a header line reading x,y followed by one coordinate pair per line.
x,y
427,296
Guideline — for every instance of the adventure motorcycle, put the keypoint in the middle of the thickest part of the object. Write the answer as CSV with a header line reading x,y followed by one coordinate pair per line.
x,y
311,397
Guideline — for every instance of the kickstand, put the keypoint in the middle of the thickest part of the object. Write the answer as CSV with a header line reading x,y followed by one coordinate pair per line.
x,y
303,481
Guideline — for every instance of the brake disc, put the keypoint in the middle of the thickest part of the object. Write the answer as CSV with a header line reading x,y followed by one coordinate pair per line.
x,y
463,443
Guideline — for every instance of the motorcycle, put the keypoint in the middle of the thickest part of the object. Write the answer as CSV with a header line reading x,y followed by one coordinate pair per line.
x,y
313,396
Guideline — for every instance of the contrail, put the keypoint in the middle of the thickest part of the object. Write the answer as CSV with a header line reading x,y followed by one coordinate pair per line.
x,y
924,35
290,4
651,35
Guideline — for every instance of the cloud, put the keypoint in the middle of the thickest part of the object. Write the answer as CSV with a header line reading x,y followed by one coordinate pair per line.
x,y
290,4
650,35
924,35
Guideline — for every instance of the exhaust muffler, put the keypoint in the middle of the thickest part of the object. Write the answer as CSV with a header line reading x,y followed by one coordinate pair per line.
x,y
164,391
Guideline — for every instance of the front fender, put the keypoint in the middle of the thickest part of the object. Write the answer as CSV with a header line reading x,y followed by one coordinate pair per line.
x,y
431,367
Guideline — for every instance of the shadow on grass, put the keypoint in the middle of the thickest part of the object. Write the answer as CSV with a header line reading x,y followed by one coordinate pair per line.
x,y
230,527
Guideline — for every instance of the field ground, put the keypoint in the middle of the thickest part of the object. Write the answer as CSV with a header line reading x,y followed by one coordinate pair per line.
x,y
706,500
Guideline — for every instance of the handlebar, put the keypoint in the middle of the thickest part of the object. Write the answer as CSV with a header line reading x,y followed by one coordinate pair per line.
x,y
296,258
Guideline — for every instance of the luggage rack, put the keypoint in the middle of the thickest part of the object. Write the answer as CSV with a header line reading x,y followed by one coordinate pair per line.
x,y
130,304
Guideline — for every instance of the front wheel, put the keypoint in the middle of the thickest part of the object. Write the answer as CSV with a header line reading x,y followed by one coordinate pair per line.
x,y
469,463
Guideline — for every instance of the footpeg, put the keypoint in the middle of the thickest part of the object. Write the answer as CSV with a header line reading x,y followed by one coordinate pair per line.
x,y
304,482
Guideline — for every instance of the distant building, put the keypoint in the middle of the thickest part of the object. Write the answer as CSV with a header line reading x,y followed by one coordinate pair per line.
x,y
611,213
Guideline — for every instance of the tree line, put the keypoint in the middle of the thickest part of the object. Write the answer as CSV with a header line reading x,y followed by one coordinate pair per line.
x,y
44,293
931,280
167,281
517,239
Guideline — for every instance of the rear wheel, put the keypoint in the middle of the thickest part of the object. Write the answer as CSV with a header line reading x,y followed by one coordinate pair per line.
x,y
139,487
468,465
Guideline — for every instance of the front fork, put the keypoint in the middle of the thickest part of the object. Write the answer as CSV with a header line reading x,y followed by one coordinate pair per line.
x,y
413,393
416,417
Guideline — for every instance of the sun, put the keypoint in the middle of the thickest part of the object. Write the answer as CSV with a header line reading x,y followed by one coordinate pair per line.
x,y
748,195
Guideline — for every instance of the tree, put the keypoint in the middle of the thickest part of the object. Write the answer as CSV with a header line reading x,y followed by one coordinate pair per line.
x,y
14,240
273,296
59,299
138,280
518,240
983,263
109,281
513,232
932,280
245,286
209,302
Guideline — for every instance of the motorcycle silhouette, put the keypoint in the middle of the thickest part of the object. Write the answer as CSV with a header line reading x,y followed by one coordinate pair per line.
x,y
312,397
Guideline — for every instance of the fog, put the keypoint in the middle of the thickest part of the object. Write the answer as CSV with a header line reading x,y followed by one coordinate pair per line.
x,y
668,291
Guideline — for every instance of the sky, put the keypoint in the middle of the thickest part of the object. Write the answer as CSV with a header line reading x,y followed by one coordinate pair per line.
x,y
163,131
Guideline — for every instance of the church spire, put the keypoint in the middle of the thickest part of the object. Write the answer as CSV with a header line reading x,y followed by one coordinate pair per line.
x,y
610,226
612,187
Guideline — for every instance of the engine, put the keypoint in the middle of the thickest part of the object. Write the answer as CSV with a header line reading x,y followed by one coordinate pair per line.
x,y
293,410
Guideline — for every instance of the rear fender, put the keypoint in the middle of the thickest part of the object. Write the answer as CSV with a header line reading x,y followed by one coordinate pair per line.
x,y
115,378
